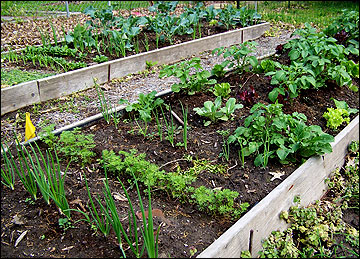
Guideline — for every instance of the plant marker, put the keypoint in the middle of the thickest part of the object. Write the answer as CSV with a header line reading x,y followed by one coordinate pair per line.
x,y
29,128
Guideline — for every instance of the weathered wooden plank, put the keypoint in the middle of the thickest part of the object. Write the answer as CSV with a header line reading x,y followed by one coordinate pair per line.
x,y
307,182
125,66
73,81
255,31
334,159
18,96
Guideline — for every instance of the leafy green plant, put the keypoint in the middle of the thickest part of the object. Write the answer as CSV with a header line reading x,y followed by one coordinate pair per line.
x,y
219,70
218,201
269,133
215,112
222,90
344,27
145,105
322,58
191,84
267,65
336,117
77,146
47,135
290,80
100,58
240,58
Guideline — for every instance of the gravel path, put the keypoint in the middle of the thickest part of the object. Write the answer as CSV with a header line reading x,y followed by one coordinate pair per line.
x,y
85,103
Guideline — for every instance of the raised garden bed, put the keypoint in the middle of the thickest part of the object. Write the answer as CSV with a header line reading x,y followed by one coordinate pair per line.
x,y
191,229
15,97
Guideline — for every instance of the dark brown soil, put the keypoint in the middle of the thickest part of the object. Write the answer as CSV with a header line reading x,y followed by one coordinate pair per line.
x,y
186,228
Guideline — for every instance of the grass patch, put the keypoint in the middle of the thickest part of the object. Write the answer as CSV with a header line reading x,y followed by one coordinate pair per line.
x,y
16,76
28,8
319,13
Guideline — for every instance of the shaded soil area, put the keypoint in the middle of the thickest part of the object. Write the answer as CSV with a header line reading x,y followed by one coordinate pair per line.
x,y
185,230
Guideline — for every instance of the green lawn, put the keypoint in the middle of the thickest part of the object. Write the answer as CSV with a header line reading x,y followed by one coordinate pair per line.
x,y
21,8
16,76
320,13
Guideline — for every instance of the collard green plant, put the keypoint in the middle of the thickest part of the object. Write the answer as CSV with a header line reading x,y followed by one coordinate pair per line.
x,y
336,117
164,7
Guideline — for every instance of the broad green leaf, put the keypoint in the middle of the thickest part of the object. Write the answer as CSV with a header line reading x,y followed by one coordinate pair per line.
x,y
273,95
294,54
282,153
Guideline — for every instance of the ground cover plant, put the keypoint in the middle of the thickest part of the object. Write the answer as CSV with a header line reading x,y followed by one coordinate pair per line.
x,y
321,230
198,190
218,175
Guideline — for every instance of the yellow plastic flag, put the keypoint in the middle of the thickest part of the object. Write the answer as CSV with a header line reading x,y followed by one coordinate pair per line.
x,y
29,128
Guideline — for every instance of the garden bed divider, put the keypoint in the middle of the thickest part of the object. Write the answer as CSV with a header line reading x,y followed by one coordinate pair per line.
x,y
308,182
18,96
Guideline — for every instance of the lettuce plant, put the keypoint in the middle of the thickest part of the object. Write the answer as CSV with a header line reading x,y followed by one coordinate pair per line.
x,y
222,90
336,117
